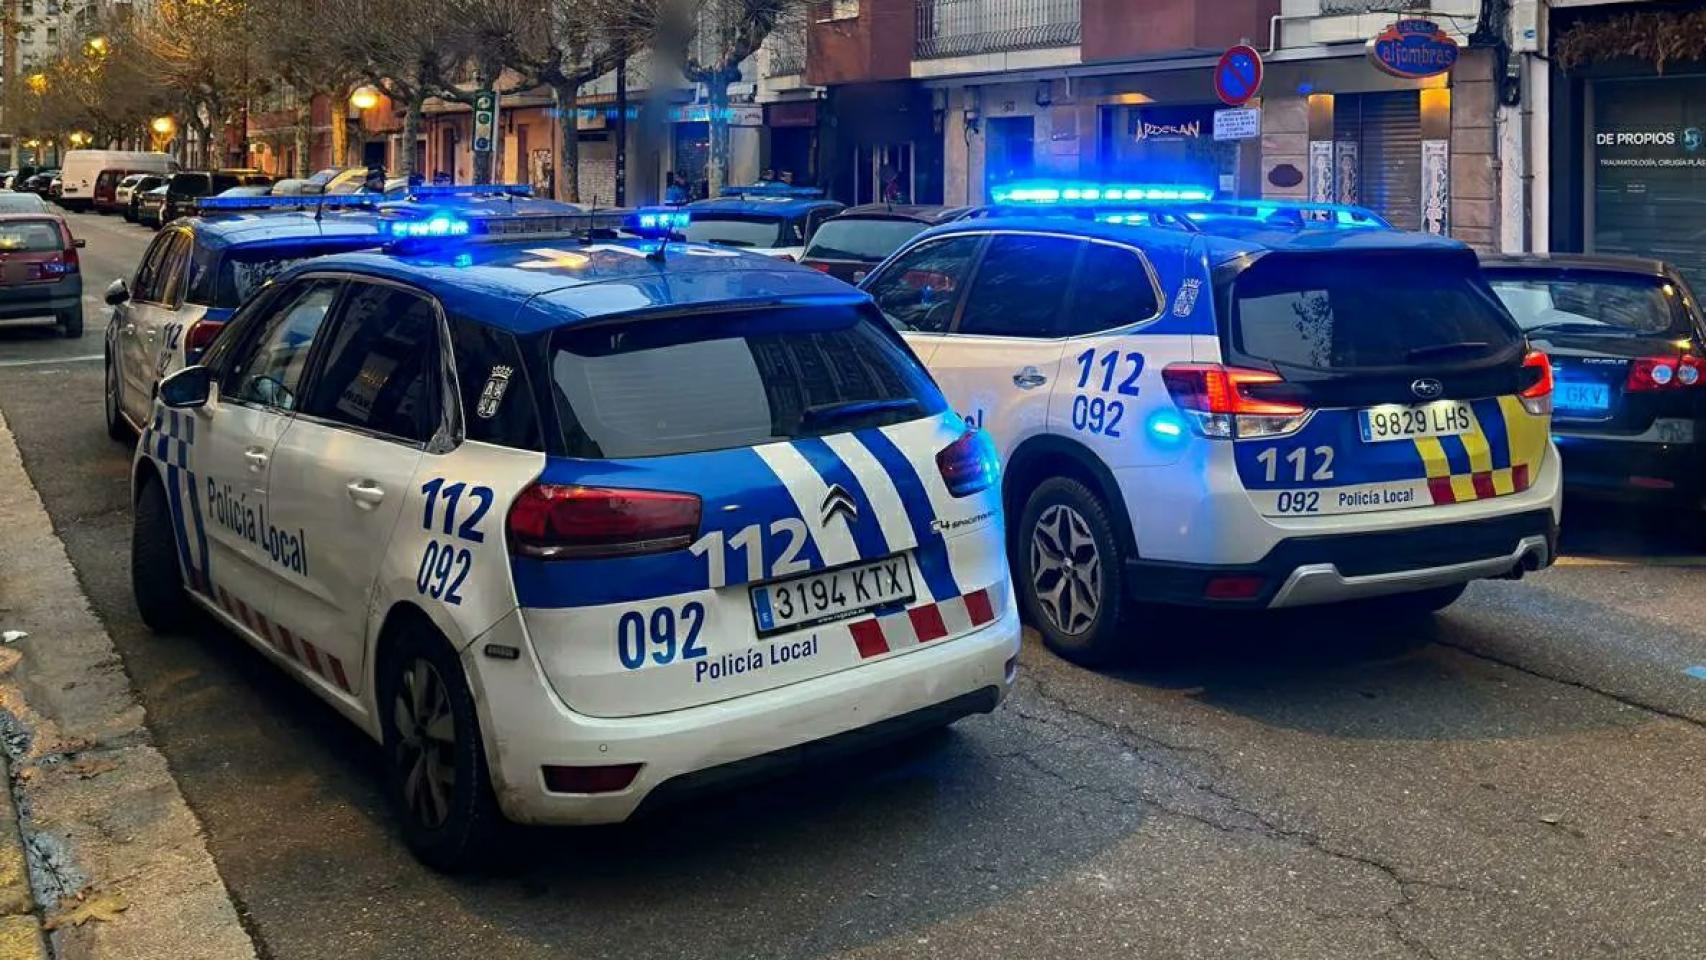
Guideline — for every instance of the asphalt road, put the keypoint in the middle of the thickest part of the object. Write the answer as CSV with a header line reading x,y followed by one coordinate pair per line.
x,y
1519,777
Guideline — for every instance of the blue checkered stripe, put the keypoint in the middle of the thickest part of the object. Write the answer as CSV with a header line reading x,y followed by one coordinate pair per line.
x,y
170,441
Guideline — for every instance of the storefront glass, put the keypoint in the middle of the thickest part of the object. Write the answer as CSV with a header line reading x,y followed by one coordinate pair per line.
x,y
1172,145
1647,170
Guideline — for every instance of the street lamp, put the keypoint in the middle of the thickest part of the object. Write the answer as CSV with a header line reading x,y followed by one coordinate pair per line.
x,y
37,82
97,46
78,138
164,126
364,98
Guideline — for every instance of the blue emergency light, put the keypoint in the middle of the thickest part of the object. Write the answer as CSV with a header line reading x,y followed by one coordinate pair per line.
x,y
302,202
1065,193
429,192
777,190
436,227
659,223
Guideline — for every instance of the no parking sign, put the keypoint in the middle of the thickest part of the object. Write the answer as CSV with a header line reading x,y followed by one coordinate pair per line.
x,y
1238,75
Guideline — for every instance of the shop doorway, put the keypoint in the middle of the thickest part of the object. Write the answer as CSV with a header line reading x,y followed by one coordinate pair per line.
x,y
794,150
884,173
1385,131
1011,151
1646,180
1171,145
692,154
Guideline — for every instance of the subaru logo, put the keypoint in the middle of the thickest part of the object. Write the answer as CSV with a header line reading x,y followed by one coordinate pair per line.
x,y
839,501
1427,388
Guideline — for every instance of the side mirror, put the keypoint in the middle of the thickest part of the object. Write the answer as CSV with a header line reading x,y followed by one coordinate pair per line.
x,y
79,244
117,291
186,389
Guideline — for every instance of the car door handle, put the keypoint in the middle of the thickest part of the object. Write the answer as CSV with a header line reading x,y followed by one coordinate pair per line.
x,y
257,458
1029,379
365,493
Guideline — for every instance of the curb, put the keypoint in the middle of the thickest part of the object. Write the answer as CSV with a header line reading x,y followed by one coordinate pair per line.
x,y
110,849
20,920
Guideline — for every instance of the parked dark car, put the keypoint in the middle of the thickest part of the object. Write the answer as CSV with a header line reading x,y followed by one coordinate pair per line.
x,y
150,206
1628,356
14,179
40,182
184,188
850,243
133,200
40,272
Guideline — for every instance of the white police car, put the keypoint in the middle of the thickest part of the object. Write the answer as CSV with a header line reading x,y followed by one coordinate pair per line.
x,y
574,524
1233,404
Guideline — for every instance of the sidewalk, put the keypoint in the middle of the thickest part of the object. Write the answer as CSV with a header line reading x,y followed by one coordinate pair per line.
x,y
112,863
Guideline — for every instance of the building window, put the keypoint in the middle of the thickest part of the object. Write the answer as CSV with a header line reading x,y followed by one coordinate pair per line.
x,y
843,9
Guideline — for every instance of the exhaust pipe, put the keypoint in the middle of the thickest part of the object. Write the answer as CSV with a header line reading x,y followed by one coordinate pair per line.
x,y
1531,561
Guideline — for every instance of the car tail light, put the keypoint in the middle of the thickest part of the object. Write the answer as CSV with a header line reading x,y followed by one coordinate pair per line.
x,y
1233,587
610,779
1218,402
970,464
819,266
559,522
1537,396
199,337
1664,373
72,262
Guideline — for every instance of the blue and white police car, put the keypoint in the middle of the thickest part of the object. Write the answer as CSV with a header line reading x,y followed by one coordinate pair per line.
x,y
575,523
1231,404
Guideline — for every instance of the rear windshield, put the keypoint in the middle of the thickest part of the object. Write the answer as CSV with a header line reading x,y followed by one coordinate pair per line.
x,y
243,271
742,230
854,239
22,203
194,183
658,387
29,236
1593,303
1343,311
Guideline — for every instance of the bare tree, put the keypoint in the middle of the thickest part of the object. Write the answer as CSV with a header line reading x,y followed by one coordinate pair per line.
x,y
489,35
408,49
199,53
296,47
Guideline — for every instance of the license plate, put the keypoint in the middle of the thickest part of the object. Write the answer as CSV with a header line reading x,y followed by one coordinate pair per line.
x,y
1443,418
831,595
1582,397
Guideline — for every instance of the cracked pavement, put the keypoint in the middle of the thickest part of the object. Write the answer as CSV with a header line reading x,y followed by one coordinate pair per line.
x,y
1520,777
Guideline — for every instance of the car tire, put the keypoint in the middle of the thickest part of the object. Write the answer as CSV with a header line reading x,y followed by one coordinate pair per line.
x,y
71,322
1071,573
156,580
1424,603
449,826
117,428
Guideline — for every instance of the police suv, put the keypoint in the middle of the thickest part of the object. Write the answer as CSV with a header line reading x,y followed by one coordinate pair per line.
x,y
574,523
1241,405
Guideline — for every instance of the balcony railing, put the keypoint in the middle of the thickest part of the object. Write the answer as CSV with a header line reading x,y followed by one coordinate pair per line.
x,y
787,47
954,28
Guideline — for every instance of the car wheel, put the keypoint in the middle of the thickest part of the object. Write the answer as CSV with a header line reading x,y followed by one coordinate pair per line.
x,y
117,428
155,578
71,322
437,774
1423,602
1071,573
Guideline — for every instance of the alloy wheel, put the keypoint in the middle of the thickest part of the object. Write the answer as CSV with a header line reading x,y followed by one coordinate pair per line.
x,y
1066,570
426,743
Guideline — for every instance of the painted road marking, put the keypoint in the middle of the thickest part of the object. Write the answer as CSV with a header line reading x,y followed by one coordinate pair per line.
x,y
1697,672
1687,561
43,361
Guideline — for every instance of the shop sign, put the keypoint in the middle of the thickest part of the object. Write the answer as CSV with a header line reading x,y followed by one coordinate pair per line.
x,y
1413,49
1237,124
1170,123
735,114
792,113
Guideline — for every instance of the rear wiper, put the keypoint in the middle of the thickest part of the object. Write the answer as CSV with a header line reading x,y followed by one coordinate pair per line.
x,y
1559,325
1439,349
853,409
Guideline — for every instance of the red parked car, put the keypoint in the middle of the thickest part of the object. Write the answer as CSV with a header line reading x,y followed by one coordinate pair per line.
x,y
40,272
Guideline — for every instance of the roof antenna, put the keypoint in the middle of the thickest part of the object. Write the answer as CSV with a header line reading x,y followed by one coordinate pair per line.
x,y
591,221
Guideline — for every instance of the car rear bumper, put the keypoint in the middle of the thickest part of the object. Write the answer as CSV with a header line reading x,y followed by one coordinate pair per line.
x,y
1659,466
39,299
527,727
1303,571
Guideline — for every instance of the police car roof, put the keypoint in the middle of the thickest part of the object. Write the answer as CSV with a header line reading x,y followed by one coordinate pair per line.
x,y
562,281
1221,241
778,207
234,229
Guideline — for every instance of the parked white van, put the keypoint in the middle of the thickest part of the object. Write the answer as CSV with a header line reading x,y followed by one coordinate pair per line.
x,y
91,176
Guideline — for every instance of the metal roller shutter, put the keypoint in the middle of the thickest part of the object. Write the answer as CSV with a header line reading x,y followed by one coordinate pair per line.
x,y
1387,128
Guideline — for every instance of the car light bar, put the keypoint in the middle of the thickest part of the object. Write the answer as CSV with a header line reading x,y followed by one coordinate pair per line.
x,y
429,192
430,227
1064,193
303,202
778,190
1289,213
658,223
402,225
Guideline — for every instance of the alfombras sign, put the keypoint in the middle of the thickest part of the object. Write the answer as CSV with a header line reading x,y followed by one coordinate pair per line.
x,y
1413,49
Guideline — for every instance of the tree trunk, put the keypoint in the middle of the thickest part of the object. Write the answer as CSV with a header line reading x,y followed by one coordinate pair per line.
x,y
569,141
411,135
717,164
304,123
